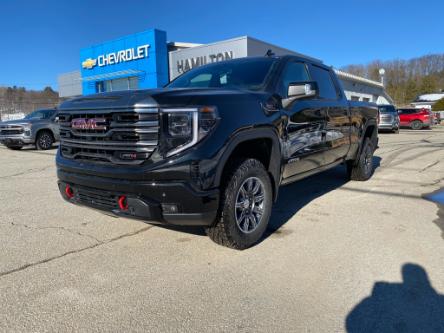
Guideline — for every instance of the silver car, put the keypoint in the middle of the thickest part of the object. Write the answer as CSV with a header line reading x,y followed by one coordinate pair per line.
x,y
388,118
39,127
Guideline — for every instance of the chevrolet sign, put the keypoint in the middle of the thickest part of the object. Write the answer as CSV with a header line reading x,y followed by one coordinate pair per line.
x,y
113,58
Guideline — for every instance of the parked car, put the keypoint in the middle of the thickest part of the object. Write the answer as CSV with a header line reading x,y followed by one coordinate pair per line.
x,y
213,147
388,118
415,118
39,127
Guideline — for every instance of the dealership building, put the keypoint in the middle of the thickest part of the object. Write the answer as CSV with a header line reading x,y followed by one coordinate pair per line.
x,y
147,60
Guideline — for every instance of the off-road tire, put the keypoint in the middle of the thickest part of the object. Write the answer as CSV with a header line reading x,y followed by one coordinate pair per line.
x,y
14,147
225,230
44,140
359,169
416,125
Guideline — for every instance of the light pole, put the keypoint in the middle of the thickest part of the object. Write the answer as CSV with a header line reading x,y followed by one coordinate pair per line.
x,y
381,74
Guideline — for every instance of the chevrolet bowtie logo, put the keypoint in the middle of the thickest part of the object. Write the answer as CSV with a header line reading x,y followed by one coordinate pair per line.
x,y
89,63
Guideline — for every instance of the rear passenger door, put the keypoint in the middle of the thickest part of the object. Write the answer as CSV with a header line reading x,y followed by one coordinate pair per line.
x,y
335,107
303,144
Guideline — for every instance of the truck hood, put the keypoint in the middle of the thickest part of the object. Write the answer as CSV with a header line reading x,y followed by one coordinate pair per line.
x,y
15,122
164,97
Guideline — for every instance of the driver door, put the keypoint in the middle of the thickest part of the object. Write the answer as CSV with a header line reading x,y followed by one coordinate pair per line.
x,y
304,139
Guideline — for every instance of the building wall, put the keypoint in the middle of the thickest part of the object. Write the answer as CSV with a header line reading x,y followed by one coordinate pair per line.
x,y
258,48
181,61
70,84
142,55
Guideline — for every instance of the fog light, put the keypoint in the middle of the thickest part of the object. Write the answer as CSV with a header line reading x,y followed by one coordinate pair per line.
x,y
69,192
123,204
170,208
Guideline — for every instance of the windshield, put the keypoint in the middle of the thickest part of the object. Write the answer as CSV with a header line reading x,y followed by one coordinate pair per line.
x,y
234,74
387,109
40,114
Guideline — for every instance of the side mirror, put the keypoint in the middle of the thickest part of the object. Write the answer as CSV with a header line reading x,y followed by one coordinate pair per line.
x,y
299,90
56,119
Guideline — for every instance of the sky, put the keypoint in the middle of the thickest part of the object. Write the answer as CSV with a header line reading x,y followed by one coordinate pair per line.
x,y
41,39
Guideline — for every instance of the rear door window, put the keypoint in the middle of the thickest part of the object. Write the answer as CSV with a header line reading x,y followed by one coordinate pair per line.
x,y
406,111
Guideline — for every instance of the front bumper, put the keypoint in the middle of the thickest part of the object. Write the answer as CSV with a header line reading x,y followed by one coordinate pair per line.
x,y
388,126
171,202
16,140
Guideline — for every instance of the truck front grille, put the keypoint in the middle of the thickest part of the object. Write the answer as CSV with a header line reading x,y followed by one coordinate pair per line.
x,y
111,136
11,130
97,198
386,118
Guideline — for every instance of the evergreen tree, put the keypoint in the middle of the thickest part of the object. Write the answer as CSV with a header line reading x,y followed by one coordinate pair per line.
x,y
439,105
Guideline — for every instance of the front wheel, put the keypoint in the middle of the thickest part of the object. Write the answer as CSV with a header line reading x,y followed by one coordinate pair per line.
x,y
362,168
44,140
245,208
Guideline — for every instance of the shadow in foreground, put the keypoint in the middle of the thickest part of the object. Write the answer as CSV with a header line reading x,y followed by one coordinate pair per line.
x,y
410,306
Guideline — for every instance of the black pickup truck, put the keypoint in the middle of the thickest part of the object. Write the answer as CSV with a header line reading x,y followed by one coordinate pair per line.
x,y
213,147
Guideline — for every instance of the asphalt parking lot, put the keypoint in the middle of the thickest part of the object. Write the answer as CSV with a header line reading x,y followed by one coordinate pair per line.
x,y
339,256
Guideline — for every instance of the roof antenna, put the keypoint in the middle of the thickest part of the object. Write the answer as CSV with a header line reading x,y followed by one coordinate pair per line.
x,y
269,53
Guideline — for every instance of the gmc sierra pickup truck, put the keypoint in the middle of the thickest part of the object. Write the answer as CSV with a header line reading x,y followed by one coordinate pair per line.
x,y
39,127
213,146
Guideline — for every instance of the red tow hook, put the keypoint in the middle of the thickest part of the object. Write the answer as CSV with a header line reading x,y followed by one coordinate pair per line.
x,y
123,205
69,192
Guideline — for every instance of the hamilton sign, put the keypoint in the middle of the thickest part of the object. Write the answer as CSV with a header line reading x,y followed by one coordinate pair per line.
x,y
118,57
185,65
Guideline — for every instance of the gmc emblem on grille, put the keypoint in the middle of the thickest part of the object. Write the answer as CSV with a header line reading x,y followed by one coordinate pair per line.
x,y
89,124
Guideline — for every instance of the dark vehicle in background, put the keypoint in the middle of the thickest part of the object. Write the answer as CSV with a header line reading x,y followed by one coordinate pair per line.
x,y
415,118
214,146
388,118
39,127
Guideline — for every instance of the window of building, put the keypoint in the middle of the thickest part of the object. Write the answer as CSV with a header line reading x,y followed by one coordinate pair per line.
x,y
124,83
120,84
133,82
326,87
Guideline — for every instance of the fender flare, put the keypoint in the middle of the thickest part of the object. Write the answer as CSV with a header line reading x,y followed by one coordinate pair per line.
x,y
274,167
373,137
43,129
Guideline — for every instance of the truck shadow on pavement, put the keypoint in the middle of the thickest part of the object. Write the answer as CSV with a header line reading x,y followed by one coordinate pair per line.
x,y
410,306
292,198
295,196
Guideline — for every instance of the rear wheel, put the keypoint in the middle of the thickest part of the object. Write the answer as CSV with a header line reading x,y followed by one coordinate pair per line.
x,y
44,140
416,124
245,207
362,168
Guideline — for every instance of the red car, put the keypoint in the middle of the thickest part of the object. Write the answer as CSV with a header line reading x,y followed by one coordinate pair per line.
x,y
415,118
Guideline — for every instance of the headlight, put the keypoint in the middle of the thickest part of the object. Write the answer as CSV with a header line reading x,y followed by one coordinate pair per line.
x,y
27,129
187,126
